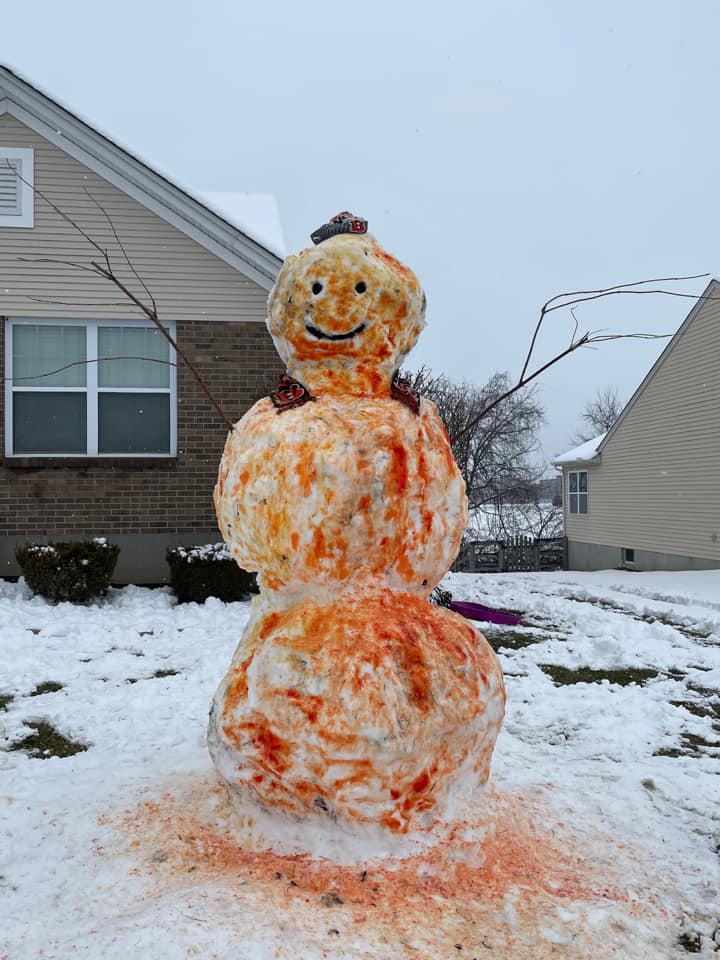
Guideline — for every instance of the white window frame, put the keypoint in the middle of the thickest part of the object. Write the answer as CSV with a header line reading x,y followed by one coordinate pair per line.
x,y
26,215
91,388
578,494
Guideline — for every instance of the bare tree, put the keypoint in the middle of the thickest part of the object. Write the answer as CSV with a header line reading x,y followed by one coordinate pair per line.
x,y
534,518
599,415
497,457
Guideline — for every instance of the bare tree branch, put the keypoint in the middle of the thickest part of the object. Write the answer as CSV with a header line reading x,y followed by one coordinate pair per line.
x,y
580,296
79,303
600,338
67,263
124,251
615,293
622,286
79,363
585,340
577,324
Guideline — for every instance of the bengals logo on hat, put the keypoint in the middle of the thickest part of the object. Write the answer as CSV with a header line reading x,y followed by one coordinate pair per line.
x,y
344,222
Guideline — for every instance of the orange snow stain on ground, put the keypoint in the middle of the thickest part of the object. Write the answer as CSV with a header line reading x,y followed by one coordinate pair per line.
x,y
457,891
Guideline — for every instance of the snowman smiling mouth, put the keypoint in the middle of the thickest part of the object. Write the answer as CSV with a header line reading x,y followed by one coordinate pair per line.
x,y
321,335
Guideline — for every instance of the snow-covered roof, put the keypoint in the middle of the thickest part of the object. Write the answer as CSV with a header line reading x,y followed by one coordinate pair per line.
x,y
249,245
256,214
585,452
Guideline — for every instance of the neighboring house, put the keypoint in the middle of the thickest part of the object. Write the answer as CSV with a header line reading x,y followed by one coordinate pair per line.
x,y
646,495
124,448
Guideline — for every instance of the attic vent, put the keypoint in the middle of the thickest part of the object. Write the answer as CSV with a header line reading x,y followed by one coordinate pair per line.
x,y
16,187
10,194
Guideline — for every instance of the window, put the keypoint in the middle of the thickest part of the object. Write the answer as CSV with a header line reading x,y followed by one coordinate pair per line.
x,y
16,187
628,555
578,491
88,388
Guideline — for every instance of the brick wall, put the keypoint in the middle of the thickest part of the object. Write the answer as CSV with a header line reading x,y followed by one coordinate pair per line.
x,y
239,363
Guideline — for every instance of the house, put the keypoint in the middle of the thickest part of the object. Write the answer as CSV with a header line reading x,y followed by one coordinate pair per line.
x,y
646,495
122,448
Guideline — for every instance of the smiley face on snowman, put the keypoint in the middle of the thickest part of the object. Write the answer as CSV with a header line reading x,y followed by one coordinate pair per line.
x,y
345,314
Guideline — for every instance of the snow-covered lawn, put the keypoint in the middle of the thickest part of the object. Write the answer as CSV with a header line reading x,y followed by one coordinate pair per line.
x,y
598,837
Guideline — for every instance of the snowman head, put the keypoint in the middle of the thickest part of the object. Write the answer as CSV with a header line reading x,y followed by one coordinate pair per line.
x,y
345,313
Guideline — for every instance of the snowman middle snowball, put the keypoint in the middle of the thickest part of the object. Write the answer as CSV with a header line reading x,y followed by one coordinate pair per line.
x,y
349,694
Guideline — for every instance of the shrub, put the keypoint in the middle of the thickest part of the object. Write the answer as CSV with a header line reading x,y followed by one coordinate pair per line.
x,y
197,573
68,571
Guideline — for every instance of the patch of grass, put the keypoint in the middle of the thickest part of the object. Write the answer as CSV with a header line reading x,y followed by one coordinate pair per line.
x,y
675,674
691,633
511,639
604,603
542,623
691,745
711,692
46,742
5,699
699,708
48,686
166,673
564,676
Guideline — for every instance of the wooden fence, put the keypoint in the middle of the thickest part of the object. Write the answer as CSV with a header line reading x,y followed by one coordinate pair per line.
x,y
514,554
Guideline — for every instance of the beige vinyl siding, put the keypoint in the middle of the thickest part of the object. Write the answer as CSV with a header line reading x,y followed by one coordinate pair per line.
x,y
187,281
657,484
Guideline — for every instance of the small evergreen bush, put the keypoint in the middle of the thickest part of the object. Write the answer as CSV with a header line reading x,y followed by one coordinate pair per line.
x,y
197,573
75,571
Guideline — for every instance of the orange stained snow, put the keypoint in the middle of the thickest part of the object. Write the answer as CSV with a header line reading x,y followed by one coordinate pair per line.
x,y
365,707
516,853
358,489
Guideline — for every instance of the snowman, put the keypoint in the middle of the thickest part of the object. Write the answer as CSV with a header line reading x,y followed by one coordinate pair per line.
x,y
350,696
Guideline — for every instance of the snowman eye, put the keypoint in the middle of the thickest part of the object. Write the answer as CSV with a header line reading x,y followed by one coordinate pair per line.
x,y
360,287
317,287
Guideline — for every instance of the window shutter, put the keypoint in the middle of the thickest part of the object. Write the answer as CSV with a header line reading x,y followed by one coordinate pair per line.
x,y
10,183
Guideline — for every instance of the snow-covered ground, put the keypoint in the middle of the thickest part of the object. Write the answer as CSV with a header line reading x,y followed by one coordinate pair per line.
x,y
598,835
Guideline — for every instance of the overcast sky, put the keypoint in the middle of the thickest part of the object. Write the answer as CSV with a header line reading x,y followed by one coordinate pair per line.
x,y
507,151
